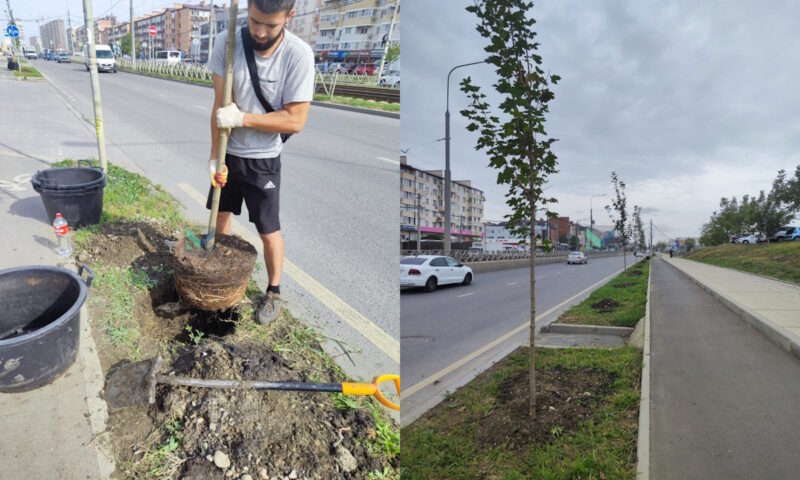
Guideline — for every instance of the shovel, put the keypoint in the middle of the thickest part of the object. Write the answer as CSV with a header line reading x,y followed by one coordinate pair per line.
x,y
135,384
227,97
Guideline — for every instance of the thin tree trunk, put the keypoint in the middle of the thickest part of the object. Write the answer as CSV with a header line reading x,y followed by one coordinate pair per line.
x,y
532,411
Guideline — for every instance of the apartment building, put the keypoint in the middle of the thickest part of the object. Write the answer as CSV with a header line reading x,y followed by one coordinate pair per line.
x,y
354,31
221,17
422,195
306,19
54,35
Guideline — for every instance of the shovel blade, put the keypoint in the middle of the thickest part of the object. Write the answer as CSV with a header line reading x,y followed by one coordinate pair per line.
x,y
129,384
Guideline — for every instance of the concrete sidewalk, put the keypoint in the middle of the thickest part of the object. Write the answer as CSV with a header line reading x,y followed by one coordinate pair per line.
x,y
723,397
771,306
51,432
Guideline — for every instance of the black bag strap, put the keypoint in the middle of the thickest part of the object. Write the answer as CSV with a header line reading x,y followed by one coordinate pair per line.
x,y
247,45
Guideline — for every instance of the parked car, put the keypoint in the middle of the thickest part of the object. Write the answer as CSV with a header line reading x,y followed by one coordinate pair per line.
x,y
63,57
430,271
752,238
734,237
783,233
577,257
365,69
796,234
390,80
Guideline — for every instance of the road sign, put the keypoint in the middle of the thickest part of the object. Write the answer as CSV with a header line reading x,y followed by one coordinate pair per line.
x,y
12,31
153,31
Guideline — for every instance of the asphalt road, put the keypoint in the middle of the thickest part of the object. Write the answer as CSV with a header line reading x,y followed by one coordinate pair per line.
x,y
723,398
339,193
442,327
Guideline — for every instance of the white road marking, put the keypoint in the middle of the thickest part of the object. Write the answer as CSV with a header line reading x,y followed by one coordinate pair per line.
x,y
441,373
465,295
385,342
511,284
200,107
389,160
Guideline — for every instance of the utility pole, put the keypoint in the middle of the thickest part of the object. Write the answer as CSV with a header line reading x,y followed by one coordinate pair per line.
x,y
70,42
388,38
419,228
95,80
211,25
651,236
16,40
133,40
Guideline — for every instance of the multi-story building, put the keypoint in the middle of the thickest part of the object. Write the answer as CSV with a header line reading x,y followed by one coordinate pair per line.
x,y
422,195
221,17
54,36
102,29
116,32
36,42
354,31
306,19
177,28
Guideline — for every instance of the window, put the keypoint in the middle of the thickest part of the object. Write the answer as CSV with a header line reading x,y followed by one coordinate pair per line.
x,y
439,262
451,262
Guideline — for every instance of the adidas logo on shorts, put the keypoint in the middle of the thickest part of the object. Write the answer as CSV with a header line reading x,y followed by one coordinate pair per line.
x,y
269,185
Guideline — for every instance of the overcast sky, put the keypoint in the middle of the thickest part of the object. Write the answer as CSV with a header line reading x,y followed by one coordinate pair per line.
x,y
687,102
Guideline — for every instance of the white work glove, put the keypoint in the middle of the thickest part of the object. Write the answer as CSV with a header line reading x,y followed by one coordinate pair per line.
x,y
221,177
229,117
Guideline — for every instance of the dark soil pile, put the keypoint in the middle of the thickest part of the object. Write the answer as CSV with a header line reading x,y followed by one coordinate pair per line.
x,y
605,305
270,432
624,284
564,399
634,273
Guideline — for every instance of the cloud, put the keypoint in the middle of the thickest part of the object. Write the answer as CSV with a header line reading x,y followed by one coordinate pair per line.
x,y
687,102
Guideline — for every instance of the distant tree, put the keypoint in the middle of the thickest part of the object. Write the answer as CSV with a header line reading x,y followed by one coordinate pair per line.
x,y
393,53
661,246
638,229
125,44
618,212
515,138
690,244
574,242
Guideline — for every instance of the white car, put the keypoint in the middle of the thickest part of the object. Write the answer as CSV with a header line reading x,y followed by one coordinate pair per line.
x,y
577,257
752,238
430,271
391,79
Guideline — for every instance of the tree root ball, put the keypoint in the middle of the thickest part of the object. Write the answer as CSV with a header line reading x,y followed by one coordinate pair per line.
x,y
213,280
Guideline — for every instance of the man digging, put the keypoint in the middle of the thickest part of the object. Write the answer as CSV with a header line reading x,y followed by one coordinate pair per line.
x,y
268,106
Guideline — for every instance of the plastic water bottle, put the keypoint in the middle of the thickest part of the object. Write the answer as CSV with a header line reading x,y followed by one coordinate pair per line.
x,y
62,233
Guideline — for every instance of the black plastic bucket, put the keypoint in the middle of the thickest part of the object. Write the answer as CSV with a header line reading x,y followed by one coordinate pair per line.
x,y
39,324
76,193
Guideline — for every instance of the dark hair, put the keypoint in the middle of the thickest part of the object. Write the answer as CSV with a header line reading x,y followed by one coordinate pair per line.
x,y
272,6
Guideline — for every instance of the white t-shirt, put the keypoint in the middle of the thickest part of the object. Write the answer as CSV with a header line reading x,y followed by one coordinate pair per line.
x,y
286,76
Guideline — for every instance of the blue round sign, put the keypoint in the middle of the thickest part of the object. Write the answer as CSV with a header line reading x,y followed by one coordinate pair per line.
x,y
12,31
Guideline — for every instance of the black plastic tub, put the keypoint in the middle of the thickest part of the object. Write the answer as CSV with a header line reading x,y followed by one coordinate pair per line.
x,y
39,324
76,193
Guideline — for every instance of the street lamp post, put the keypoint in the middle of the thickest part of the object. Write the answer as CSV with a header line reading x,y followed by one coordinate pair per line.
x,y
447,225
591,218
419,227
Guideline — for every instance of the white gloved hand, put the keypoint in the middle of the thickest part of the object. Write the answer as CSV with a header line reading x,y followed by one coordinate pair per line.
x,y
220,178
229,117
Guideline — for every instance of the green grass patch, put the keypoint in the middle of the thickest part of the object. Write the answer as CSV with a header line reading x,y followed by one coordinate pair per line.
x,y
160,460
776,260
28,71
130,196
626,290
118,288
358,102
444,443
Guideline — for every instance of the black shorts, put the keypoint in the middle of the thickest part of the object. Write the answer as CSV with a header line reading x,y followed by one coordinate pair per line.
x,y
257,181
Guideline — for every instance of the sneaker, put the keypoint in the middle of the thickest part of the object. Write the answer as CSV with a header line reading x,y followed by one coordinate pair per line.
x,y
269,309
